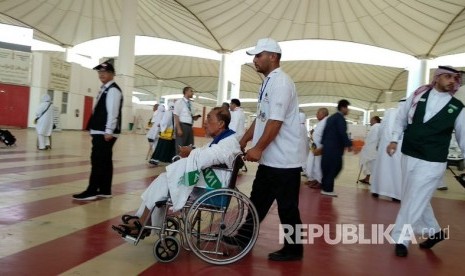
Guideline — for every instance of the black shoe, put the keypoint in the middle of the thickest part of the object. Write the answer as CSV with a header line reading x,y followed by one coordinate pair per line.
x,y
401,250
153,162
395,200
285,255
240,242
85,196
431,241
374,195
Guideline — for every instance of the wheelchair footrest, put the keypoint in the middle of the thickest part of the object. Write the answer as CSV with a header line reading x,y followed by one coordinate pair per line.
x,y
161,203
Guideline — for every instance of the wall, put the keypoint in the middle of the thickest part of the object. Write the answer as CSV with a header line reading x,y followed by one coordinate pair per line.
x,y
14,100
83,82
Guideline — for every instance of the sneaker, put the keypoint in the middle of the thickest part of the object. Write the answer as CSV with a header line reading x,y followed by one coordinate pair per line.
x,y
284,255
333,194
434,239
401,250
85,196
104,196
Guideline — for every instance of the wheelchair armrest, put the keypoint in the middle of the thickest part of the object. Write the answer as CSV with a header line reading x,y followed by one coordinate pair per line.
x,y
220,167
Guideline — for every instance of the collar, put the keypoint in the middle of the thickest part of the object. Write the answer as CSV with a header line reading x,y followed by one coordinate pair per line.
x,y
103,87
277,70
439,94
226,133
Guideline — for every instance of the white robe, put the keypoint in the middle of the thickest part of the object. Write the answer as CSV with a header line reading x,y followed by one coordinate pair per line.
x,y
304,141
370,149
154,131
386,176
169,182
421,178
238,122
45,123
313,169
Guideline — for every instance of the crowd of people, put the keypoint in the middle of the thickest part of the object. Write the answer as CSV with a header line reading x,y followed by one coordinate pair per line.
x,y
411,143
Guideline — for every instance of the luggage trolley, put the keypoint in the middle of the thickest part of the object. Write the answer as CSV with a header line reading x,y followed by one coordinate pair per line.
x,y
200,225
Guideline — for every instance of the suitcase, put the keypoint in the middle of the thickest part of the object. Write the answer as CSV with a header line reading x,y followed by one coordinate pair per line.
x,y
7,138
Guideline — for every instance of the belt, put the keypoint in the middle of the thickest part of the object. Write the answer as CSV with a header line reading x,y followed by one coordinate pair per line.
x,y
186,124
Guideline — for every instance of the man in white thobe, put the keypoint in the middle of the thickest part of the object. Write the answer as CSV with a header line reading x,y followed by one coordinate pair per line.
x,y
313,169
386,177
369,150
426,120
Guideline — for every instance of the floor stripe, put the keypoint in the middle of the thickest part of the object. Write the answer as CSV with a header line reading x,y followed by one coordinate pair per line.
x,y
63,253
44,167
26,211
54,180
37,158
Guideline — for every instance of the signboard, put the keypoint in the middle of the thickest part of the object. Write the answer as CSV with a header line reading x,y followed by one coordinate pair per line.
x,y
60,73
14,67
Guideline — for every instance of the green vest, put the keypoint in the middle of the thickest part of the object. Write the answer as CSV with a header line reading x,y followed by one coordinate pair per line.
x,y
430,140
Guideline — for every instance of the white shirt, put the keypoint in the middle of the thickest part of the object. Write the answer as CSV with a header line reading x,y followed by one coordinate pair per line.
x,y
318,132
238,122
278,101
181,109
370,149
112,104
436,101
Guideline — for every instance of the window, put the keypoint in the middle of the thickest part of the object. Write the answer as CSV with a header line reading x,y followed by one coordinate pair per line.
x,y
64,103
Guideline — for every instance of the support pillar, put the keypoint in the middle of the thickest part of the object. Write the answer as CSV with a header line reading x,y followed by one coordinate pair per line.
x,y
126,59
418,74
222,81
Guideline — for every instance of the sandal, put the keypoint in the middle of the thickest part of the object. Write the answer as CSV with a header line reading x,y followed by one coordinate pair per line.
x,y
127,218
126,230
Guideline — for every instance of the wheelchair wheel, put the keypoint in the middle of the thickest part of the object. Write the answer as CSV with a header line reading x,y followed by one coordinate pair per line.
x,y
172,226
167,249
216,214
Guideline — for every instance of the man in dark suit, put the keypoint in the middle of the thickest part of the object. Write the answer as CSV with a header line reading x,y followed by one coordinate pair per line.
x,y
334,141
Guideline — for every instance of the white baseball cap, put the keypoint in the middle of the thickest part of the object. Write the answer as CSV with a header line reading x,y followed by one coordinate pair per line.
x,y
265,44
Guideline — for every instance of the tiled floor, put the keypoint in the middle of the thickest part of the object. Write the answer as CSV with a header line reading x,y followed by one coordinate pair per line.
x,y
44,232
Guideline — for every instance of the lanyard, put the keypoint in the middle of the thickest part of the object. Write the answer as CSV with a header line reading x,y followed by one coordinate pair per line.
x,y
262,88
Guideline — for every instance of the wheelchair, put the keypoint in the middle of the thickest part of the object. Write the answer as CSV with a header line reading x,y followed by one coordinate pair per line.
x,y
201,224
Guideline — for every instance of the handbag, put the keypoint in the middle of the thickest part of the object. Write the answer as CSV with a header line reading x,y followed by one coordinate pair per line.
x,y
167,134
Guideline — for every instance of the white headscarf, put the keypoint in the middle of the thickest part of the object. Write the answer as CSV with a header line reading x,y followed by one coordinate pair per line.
x,y
167,120
46,98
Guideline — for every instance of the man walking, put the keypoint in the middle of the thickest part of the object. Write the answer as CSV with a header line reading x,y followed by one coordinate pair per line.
x,y
427,120
274,134
184,119
334,141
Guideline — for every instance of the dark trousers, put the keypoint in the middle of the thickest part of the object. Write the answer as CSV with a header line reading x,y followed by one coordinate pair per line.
x,y
187,137
101,159
282,185
331,165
